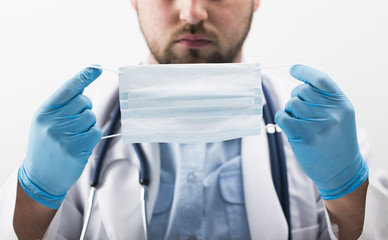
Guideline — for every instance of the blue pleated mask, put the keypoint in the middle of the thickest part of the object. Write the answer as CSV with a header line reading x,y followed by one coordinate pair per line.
x,y
190,103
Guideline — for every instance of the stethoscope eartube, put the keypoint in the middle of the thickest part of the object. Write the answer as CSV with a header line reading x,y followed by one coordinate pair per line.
x,y
144,181
144,178
277,159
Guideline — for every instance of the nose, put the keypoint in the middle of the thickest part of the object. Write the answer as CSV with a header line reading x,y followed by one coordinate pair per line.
x,y
193,11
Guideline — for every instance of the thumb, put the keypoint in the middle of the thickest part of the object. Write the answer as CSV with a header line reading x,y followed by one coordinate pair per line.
x,y
315,78
74,86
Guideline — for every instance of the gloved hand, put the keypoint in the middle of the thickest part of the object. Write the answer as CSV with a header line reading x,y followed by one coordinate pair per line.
x,y
62,137
319,122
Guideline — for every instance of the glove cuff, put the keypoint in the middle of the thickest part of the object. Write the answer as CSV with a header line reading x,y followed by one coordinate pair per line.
x,y
36,193
354,183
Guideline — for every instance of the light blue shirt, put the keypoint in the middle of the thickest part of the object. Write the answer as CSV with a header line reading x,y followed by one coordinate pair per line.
x,y
201,193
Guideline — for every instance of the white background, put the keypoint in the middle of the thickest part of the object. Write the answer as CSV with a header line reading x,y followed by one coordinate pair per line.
x,y
45,42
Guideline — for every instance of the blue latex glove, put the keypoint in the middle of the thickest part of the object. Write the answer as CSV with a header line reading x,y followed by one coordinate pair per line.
x,y
319,122
62,137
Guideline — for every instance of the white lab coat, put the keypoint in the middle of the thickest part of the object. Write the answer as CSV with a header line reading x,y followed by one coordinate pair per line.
x,y
117,207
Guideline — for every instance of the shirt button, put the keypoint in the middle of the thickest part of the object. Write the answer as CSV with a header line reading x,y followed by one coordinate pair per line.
x,y
191,178
192,238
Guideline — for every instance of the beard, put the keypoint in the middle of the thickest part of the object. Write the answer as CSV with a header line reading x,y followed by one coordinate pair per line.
x,y
166,55
193,56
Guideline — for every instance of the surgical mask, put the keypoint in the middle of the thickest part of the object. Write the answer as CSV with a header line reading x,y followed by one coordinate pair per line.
x,y
190,103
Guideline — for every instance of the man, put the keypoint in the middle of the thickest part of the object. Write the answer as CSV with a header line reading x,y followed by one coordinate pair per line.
x,y
231,200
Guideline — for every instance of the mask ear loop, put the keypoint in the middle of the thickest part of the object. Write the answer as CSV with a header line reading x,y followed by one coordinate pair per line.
x,y
262,67
276,66
271,128
104,68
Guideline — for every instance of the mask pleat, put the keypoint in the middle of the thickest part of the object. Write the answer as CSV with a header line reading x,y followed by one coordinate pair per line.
x,y
190,102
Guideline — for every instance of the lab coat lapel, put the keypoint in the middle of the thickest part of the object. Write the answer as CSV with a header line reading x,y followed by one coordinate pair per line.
x,y
265,215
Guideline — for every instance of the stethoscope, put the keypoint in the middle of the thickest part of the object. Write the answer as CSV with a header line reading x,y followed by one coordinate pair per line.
x,y
277,159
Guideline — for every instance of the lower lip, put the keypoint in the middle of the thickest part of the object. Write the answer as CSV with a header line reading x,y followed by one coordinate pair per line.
x,y
194,43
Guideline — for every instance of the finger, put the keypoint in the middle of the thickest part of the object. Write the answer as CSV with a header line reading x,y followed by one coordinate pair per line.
x,y
310,94
73,107
300,109
298,130
76,124
74,86
289,125
84,142
315,78
296,92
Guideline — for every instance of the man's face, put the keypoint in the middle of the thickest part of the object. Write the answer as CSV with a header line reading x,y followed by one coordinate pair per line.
x,y
195,31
